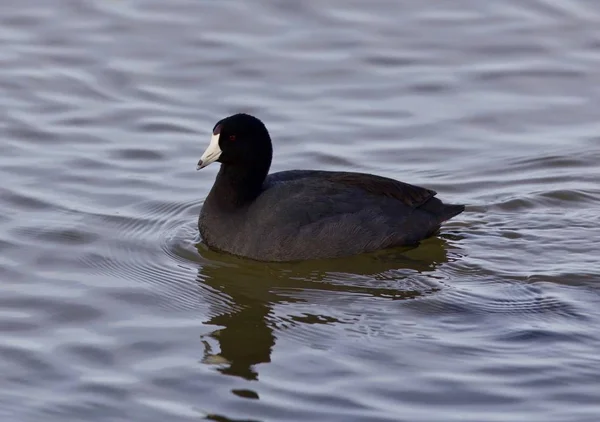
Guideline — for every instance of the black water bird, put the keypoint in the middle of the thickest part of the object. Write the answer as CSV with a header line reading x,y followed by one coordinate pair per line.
x,y
305,214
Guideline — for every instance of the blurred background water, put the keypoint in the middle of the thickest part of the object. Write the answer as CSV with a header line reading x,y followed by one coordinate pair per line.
x,y
111,310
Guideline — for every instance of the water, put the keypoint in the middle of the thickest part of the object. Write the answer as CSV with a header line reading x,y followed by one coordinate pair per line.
x,y
109,311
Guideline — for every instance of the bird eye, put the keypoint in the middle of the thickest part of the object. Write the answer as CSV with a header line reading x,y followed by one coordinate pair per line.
x,y
232,137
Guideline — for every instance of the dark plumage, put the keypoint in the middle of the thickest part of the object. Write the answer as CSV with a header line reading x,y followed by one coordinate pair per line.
x,y
305,214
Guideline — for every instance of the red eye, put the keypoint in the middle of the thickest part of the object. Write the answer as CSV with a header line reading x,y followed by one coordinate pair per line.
x,y
232,137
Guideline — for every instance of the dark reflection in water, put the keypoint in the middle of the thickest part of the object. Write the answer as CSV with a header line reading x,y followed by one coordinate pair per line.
x,y
246,337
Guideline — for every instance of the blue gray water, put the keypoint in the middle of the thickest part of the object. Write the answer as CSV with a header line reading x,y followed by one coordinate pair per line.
x,y
110,310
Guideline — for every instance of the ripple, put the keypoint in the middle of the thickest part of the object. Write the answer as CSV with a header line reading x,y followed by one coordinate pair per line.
x,y
53,310
137,154
559,197
556,161
540,73
144,265
141,256
519,300
89,164
23,201
23,357
168,127
61,236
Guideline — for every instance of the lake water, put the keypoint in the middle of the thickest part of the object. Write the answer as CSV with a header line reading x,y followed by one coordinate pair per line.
x,y
112,310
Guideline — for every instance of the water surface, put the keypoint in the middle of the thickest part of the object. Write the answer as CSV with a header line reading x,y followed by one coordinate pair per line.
x,y
112,310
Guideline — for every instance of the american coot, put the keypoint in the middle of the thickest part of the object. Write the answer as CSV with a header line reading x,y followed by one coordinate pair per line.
x,y
305,214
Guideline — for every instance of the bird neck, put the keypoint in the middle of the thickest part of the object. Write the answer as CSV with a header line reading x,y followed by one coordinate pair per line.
x,y
236,186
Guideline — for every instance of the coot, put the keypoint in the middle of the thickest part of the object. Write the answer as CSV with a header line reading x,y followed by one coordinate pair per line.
x,y
305,214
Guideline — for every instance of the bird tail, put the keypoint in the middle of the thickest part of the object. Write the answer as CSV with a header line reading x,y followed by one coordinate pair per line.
x,y
441,211
450,210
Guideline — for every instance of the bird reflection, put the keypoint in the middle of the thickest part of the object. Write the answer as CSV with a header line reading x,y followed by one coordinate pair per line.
x,y
243,293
